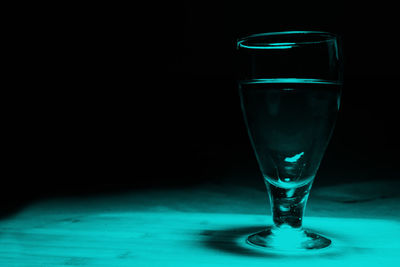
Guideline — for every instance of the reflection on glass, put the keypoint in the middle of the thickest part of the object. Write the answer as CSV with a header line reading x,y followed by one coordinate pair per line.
x,y
290,91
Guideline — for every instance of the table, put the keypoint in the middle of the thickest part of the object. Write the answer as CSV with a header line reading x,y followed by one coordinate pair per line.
x,y
203,225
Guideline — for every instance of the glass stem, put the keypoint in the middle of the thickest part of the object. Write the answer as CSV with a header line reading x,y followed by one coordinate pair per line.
x,y
288,204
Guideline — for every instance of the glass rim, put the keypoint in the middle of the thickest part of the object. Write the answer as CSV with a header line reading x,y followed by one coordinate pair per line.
x,y
284,39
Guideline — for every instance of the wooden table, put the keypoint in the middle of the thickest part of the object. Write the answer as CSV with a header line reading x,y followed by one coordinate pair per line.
x,y
200,226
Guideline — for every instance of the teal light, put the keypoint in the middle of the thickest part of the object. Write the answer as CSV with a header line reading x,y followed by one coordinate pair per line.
x,y
290,80
268,46
266,43
282,44
287,238
69,236
294,158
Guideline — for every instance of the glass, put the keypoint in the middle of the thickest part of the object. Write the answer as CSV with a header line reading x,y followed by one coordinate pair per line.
x,y
290,86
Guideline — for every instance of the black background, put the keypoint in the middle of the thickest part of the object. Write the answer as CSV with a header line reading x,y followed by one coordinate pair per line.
x,y
145,96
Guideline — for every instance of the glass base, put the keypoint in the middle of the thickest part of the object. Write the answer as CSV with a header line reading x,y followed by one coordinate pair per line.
x,y
288,239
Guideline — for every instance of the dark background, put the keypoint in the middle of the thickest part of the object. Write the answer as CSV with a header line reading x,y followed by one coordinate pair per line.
x,y
130,97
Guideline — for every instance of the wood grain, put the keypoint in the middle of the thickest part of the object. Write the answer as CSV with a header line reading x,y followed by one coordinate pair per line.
x,y
200,226
181,239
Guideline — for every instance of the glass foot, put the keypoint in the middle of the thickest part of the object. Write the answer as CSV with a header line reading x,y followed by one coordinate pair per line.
x,y
288,240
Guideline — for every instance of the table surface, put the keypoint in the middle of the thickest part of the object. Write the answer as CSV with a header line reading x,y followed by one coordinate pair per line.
x,y
203,225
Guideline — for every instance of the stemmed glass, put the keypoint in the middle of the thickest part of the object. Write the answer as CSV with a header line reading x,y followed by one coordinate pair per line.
x,y
290,86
